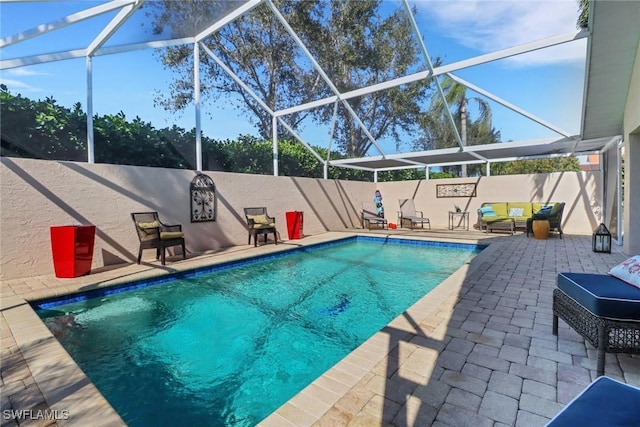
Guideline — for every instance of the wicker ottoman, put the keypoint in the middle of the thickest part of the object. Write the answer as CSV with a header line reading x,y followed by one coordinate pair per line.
x,y
502,224
601,308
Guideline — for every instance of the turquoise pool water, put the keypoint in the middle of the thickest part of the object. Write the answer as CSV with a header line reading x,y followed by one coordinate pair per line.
x,y
226,346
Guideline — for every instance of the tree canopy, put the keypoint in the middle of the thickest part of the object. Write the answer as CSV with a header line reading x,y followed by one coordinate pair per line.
x,y
355,43
455,95
516,167
583,18
45,130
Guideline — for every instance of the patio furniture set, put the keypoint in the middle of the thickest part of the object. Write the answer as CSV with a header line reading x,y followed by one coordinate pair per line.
x,y
154,234
535,218
512,216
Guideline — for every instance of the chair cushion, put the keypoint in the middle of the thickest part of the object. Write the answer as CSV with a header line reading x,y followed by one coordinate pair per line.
x,y
535,206
487,211
153,224
546,206
259,219
628,271
260,225
523,209
500,209
167,235
605,402
556,208
516,212
545,210
602,295
418,219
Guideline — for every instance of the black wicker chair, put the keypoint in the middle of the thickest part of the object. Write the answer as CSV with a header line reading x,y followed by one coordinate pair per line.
x,y
153,234
259,222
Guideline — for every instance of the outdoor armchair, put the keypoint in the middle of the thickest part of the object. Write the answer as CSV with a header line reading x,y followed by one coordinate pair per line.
x,y
259,222
408,214
369,215
154,234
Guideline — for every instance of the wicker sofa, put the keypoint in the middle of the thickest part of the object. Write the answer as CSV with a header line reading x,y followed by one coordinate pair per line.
x,y
514,214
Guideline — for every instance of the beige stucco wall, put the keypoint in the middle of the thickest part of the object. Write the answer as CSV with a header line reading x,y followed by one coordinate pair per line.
x,y
36,194
631,219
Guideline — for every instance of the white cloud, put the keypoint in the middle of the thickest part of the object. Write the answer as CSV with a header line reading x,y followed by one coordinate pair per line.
x,y
18,84
24,71
14,85
490,25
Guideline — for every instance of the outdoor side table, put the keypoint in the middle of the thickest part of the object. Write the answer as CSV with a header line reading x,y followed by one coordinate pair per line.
x,y
462,223
540,229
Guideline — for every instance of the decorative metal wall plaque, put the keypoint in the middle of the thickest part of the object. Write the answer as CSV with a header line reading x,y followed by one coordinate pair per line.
x,y
456,190
203,199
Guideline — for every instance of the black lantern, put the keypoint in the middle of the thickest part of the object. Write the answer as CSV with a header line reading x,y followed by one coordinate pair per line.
x,y
602,240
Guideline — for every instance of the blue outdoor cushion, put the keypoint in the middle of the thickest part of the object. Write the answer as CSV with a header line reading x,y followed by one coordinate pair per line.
x,y
545,210
602,295
487,211
605,402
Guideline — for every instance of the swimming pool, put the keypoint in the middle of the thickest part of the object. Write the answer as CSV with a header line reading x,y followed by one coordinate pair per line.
x,y
229,344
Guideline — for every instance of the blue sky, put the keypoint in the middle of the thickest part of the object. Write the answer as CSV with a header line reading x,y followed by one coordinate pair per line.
x,y
546,83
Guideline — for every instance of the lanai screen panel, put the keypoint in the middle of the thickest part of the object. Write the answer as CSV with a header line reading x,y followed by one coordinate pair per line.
x,y
330,61
477,43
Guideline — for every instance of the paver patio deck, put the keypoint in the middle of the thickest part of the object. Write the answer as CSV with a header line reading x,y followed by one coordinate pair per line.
x,y
475,351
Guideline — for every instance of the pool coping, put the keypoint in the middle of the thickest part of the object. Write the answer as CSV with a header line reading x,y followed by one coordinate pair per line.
x,y
66,389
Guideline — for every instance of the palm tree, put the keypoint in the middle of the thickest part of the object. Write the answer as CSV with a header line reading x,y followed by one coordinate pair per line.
x,y
456,96
583,18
